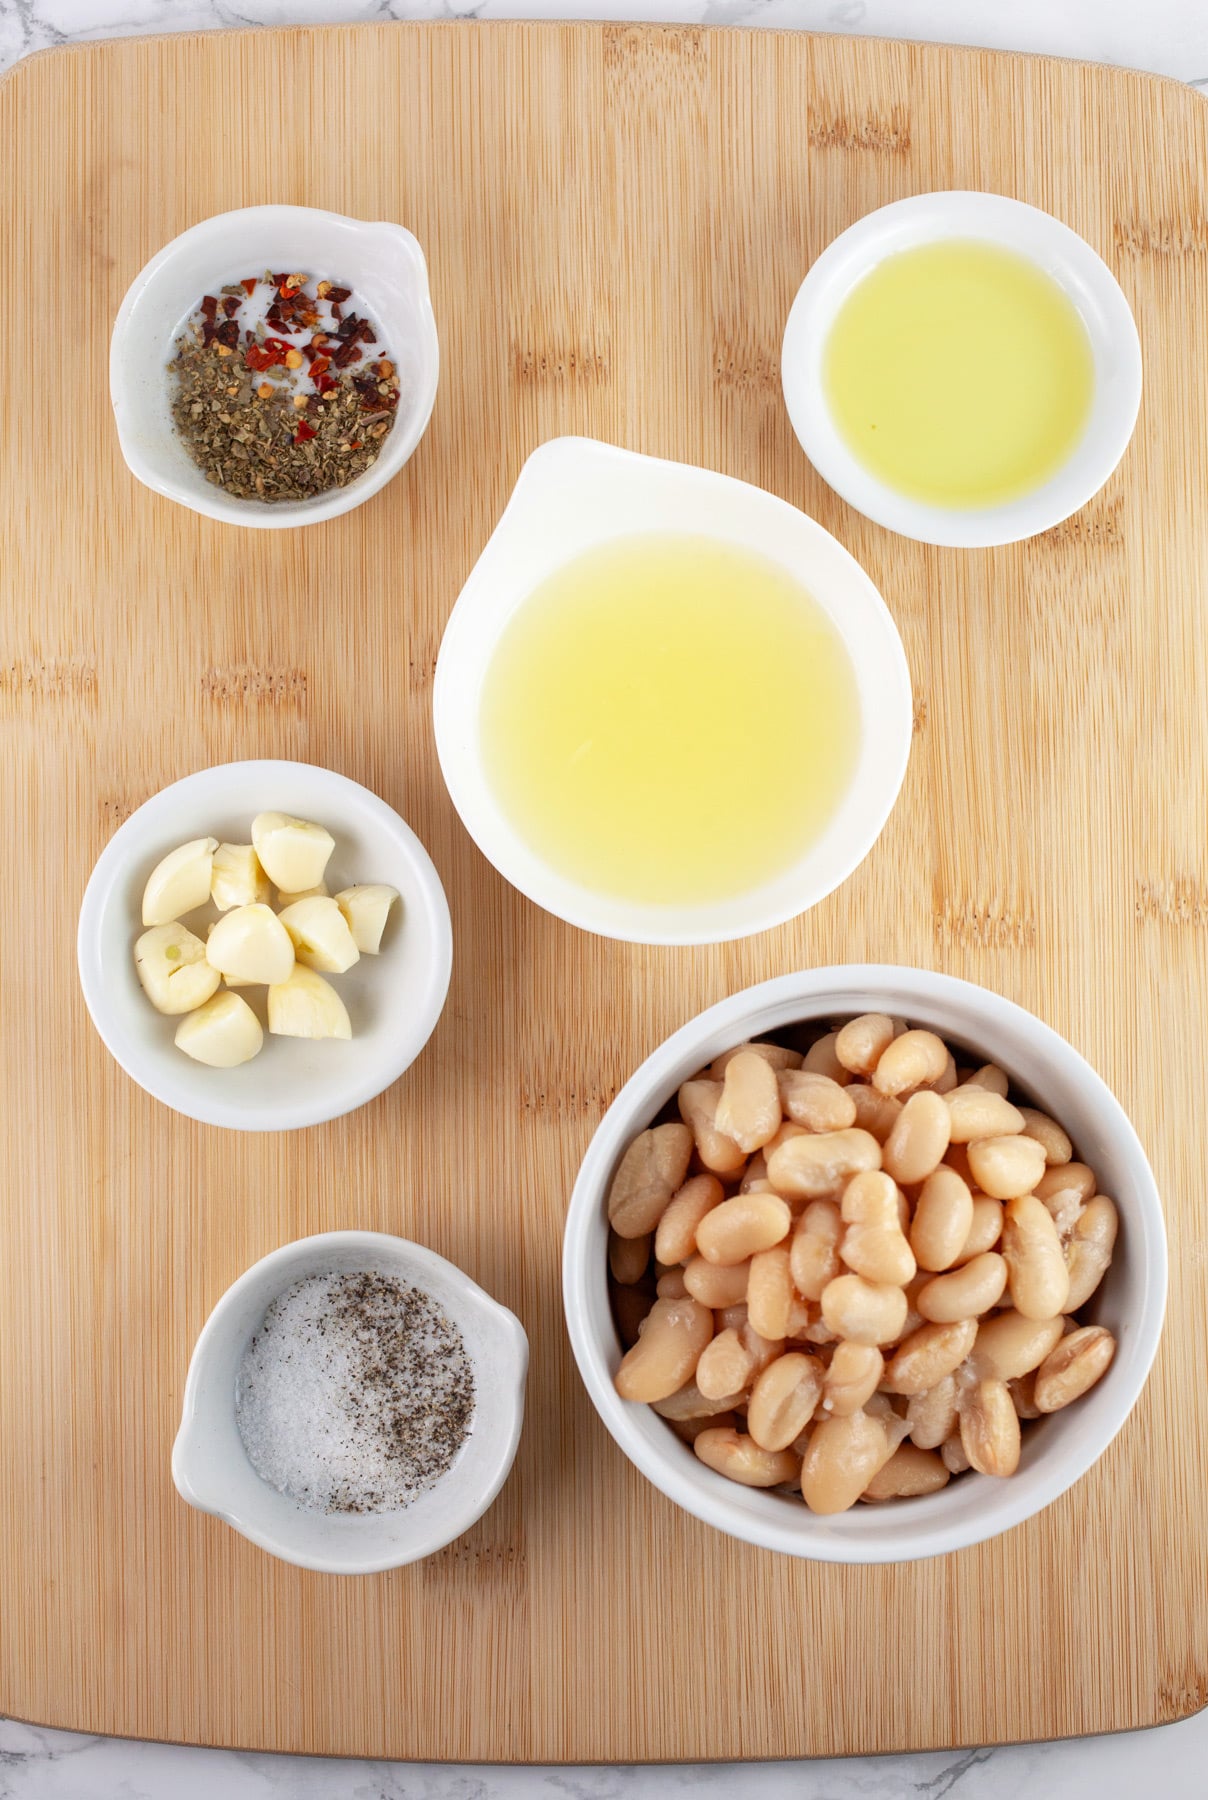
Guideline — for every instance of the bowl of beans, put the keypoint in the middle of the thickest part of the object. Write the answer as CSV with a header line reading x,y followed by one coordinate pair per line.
x,y
865,1264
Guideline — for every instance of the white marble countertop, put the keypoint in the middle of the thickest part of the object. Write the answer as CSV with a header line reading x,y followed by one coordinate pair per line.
x,y
1167,36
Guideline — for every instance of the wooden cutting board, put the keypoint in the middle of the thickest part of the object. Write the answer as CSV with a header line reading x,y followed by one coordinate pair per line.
x,y
616,218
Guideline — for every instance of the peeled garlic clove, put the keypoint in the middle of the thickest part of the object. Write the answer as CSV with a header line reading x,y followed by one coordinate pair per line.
x,y
306,1006
293,853
180,883
318,891
366,909
237,878
320,936
172,967
222,1034
252,945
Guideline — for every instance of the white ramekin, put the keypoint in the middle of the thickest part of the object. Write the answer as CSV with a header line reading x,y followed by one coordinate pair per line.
x,y
1062,254
380,261
1057,1450
394,998
210,1465
574,493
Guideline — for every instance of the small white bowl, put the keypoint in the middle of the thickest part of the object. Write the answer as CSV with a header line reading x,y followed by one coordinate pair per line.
x,y
1056,1450
210,1465
1012,225
384,266
394,998
574,493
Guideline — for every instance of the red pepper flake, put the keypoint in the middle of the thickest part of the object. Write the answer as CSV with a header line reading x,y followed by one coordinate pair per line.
x,y
227,334
355,446
336,313
304,432
230,306
209,308
337,295
325,384
320,365
249,284
348,353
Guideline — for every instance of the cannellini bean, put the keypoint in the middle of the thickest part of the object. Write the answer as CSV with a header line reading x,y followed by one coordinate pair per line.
x,y
730,1318
775,1055
814,1251
783,1399
952,1454
698,1102
965,1292
671,1286
628,1257
841,1458
815,1101
915,1059
648,1174
820,1058
928,1355
1089,1251
675,1238
912,1290
874,1244
813,1165
1009,1345
1038,1278
741,1458
690,1429
851,1379
762,1350
1073,1177
714,1284
1048,1134
876,1113
948,1080
1004,1167
665,1356
770,1293
689,1403
865,1312
985,1230
932,1416
943,1216
916,1145
755,1176
958,1158
990,1429
749,1108
1073,1367
990,1077
975,1112
910,1471
860,1044
725,1366
735,1230
1022,1389
630,1306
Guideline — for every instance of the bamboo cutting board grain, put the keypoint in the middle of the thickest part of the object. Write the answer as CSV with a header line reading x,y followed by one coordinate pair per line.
x,y
616,219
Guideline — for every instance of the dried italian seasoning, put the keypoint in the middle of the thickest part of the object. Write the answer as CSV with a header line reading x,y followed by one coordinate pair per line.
x,y
355,1395
278,393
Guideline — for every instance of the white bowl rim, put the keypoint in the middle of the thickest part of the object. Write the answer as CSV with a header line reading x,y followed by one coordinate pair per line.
x,y
385,1246
770,1006
400,444
429,1005
1055,247
871,638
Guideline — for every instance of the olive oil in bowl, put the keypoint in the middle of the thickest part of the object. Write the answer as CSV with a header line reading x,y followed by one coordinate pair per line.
x,y
959,373
670,719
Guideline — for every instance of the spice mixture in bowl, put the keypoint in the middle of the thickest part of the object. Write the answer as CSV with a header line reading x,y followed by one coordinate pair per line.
x,y
275,366
353,1403
281,389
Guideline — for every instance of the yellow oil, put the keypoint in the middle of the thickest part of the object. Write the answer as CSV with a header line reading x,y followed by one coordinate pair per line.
x,y
959,373
670,720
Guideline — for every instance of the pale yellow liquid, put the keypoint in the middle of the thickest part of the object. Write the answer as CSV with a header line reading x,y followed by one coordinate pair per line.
x,y
669,719
959,373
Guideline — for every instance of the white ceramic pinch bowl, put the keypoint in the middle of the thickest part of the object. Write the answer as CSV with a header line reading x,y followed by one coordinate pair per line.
x,y
1131,1300
211,1468
575,493
394,998
1011,225
381,262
